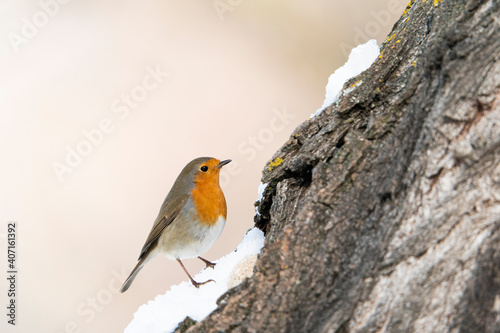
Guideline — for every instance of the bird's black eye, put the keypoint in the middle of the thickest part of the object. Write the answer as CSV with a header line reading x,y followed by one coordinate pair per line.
x,y
204,168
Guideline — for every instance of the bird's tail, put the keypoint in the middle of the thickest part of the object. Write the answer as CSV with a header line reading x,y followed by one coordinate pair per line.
x,y
134,273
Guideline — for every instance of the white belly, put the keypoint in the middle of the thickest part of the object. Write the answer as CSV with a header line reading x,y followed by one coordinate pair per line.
x,y
189,239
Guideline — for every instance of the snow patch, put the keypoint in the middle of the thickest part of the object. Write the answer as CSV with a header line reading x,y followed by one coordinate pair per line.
x,y
360,59
182,300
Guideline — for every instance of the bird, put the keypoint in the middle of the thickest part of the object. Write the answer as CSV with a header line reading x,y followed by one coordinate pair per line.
x,y
190,220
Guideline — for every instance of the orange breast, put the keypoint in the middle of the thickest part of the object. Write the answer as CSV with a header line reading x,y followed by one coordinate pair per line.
x,y
208,200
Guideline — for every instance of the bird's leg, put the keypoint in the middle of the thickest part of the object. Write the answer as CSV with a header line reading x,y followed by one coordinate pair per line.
x,y
207,263
196,284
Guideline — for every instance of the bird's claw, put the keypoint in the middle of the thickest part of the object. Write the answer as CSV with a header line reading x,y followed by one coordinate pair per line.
x,y
198,284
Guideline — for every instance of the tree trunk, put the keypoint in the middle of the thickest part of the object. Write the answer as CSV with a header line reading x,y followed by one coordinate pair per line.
x,y
382,214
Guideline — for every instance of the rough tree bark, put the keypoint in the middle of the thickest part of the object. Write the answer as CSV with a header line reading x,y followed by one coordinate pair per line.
x,y
382,214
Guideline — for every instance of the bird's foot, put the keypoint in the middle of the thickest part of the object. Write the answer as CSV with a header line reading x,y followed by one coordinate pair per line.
x,y
198,284
207,263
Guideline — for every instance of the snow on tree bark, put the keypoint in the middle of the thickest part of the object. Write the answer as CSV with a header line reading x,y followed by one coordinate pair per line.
x,y
382,213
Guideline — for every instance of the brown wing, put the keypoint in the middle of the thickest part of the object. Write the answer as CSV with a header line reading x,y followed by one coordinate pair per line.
x,y
169,211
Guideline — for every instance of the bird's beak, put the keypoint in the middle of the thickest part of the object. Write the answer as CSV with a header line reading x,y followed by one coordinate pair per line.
x,y
222,163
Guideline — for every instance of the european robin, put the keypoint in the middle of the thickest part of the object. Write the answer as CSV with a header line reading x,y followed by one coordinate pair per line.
x,y
190,220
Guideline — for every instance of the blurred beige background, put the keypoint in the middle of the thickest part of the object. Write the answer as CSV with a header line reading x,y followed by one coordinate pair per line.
x,y
90,78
